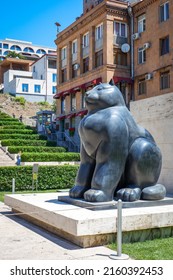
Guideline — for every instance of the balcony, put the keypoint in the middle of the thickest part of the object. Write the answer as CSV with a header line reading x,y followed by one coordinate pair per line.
x,y
99,44
85,51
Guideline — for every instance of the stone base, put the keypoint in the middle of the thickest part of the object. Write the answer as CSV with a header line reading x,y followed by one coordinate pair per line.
x,y
113,204
87,228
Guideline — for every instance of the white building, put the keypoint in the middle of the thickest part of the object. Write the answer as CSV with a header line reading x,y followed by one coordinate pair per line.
x,y
24,48
36,85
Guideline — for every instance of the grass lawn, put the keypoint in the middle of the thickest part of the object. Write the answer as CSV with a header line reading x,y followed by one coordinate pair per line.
x,y
157,249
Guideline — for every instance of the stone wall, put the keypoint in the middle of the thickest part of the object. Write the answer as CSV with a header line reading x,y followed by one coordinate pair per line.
x,y
156,115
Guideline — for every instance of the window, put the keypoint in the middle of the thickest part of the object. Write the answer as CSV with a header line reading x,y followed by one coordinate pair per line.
x,y
83,98
141,23
15,48
74,71
0,45
63,53
64,75
74,46
5,46
37,88
165,80
120,58
164,45
120,29
62,105
41,51
99,58
53,89
85,40
141,87
99,31
164,12
73,102
30,50
141,55
25,87
54,78
51,64
85,64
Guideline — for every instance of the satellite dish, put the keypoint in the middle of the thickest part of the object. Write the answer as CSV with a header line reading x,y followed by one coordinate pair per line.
x,y
125,48
76,66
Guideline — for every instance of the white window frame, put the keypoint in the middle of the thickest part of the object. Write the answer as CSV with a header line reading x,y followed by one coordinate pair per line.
x,y
64,53
74,46
165,15
141,23
99,32
85,40
141,55
120,29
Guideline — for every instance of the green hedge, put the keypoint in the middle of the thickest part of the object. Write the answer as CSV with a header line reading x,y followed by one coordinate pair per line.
x,y
8,119
25,136
49,177
10,123
20,142
13,126
35,149
17,131
46,157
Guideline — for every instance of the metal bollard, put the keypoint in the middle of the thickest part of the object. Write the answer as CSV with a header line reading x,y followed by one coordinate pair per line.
x,y
119,227
13,186
119,255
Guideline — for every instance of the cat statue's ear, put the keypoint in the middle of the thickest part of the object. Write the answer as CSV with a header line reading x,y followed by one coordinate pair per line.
x,y
112,82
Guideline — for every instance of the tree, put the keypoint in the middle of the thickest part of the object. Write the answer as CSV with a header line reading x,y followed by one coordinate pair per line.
x,y
15,55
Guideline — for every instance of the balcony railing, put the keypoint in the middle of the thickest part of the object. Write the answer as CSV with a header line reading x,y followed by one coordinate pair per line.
x,y
118,40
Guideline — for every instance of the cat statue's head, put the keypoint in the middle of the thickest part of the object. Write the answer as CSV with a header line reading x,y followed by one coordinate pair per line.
x,y
103,96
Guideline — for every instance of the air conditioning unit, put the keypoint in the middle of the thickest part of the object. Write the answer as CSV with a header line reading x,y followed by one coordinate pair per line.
x,y
146,46
76,66
148,76
136,36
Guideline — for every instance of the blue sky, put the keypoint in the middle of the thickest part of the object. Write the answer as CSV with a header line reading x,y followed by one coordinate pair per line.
x,y
34,20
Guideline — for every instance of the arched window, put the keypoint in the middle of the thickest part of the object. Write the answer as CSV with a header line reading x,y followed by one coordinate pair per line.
x,y
41,51
27,49
15,48
7,52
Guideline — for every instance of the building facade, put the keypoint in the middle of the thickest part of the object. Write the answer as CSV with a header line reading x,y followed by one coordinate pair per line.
x,y
93,49
27,49
153,48
38,84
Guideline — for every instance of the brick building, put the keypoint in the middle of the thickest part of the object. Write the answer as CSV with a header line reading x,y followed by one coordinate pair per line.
x,y
153,48
90,51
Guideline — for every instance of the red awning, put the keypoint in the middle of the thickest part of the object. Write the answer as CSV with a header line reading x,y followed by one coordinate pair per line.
x,y
82,113
122,79
60,118
69,116
77,88
91,83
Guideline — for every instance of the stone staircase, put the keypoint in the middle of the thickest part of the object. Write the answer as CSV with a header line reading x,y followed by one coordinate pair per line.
x,y
5,160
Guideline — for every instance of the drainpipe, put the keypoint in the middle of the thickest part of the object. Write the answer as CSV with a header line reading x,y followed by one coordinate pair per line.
x,y
130,12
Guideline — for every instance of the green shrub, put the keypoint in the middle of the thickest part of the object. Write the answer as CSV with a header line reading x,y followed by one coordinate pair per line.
x,y
20,142
35,149
17,131
13,126
12,122
8,120
25,136
20,99
46,157
49,177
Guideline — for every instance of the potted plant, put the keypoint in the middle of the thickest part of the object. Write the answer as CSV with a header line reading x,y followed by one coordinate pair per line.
x,y
71,131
